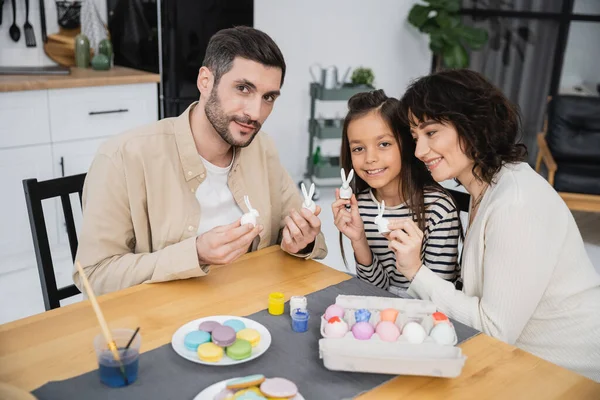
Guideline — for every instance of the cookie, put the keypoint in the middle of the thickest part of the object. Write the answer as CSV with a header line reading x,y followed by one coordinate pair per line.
x,y
245,382
208,326
279,388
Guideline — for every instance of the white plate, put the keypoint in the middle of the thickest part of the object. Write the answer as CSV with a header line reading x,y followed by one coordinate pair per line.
x,y
211,392
179,336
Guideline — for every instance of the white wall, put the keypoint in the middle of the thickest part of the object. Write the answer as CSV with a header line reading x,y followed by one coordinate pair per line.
x,y
344,33
582,57
17,54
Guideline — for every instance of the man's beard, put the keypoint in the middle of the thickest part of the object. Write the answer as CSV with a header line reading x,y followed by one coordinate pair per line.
x,y
220,121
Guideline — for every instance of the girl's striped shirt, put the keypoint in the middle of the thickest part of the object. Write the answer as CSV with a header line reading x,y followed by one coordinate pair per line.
x,y
440,241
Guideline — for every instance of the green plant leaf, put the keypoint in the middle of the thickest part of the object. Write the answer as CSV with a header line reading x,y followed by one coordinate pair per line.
x,y
475,38
456,56
436,43
446,20
418,15
430,26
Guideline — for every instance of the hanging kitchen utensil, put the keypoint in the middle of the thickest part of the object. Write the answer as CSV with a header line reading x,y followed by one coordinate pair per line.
x,y
28,29
43,21
14,31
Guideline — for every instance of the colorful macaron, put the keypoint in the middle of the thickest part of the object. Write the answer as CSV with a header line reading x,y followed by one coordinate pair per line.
x,y
245,382
195,338
210,352
236,324
223,336
239,350
250,335
208,326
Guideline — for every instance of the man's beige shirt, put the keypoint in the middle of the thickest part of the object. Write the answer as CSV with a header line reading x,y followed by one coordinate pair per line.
x,y
140,208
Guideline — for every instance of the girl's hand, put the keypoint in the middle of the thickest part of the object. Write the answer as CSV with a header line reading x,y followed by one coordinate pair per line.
x,y
349,221
406,240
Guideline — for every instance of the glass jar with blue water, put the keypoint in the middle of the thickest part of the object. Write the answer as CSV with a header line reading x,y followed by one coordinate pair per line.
x,y
115,373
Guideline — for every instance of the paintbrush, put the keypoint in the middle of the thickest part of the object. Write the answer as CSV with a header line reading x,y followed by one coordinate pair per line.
x,y
112,346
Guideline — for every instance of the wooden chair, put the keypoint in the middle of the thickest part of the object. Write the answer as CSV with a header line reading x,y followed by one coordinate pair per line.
x,y
35,192
569,148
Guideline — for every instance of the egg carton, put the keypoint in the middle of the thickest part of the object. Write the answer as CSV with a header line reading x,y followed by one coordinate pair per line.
x,y
399,357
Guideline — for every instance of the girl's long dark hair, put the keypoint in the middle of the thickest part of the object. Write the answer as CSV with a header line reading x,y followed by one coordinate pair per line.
x,y
415,180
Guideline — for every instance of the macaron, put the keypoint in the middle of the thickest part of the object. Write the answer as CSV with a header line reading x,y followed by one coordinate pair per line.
x,y
250,335
208,326
210,352
240,350
279,388
195,338
223,336
236,324
245,382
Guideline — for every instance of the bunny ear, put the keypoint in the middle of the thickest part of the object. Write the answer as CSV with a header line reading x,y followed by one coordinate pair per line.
x,y
247,201
382,207
304,190
350,176
312,191
343,173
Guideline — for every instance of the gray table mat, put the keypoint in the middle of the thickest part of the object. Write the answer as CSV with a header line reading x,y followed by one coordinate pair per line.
x,y
165,375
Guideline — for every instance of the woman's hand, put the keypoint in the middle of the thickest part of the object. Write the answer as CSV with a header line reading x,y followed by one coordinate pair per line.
x,y
406,240
348,221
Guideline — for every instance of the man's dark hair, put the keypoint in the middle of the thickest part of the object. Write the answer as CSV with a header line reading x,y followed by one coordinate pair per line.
x,y
245,42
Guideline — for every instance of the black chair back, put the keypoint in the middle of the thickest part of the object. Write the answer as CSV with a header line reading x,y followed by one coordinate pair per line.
x,y
35,192
461,199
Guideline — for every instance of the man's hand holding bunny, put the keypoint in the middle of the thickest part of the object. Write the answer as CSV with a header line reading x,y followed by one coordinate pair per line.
x,y
302,227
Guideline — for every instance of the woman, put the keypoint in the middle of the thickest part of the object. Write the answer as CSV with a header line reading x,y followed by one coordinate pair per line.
x,y
527,279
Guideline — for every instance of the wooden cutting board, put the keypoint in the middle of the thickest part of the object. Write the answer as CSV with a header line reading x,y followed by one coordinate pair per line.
x,y
60,47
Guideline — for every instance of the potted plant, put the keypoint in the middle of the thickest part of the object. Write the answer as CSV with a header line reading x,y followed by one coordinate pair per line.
x,y
362,77
449,38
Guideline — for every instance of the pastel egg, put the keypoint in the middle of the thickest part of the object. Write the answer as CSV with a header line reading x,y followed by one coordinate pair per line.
x,y
363,330
336,328
362,315
387,331
414,332
443,333
439,317
389,314
334,311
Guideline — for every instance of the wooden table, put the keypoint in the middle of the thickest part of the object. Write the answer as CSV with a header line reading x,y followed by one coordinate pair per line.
x,y
57,344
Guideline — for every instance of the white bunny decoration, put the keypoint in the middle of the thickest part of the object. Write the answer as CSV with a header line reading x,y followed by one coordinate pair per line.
x,y
346,190
250,216
308,201
382,223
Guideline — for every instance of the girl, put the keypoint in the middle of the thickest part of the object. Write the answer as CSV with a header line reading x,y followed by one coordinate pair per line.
x,y
527,279
379,148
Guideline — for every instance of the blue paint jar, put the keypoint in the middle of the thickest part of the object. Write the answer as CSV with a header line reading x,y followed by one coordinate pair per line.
x,y
300,320
362,315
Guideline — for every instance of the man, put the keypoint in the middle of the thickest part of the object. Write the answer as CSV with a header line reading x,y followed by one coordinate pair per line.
x,y
164,201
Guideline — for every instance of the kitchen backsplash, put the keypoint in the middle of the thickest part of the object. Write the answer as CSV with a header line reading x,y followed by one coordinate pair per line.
x,y
16,53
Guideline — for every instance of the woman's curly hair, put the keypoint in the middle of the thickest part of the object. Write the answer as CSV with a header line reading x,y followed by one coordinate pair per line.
x,y
487,123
